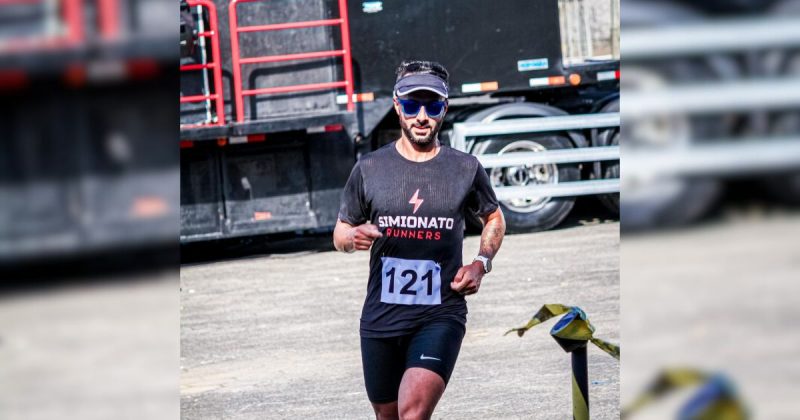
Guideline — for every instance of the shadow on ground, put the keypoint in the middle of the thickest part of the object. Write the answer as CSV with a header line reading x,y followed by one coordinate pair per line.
x,y
587,211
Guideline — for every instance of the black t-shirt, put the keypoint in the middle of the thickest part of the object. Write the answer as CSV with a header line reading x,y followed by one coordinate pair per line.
x,y
419,208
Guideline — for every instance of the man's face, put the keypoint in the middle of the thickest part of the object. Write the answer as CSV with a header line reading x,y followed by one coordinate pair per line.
x,y
420,129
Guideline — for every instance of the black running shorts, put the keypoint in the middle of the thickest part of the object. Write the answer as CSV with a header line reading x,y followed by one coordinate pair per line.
x,y
433,346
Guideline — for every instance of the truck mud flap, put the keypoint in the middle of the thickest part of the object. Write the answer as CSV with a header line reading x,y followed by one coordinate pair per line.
x,y
266,189
130,189
40,205
333,156
35,218
201,197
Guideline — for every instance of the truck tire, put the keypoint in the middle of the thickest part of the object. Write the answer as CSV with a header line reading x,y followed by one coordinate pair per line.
x,y
658,202
538,213
534,213
609,169
784,187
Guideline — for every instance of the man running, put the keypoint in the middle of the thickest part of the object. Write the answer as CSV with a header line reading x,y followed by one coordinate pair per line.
x,y
406,202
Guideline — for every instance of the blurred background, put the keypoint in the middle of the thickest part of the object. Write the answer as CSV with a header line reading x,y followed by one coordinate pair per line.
x,y
88,209
709,208
279,99
89,203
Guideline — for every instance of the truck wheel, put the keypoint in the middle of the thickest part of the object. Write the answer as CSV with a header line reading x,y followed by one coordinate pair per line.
x,y
532,213
784,187
659,201
611,170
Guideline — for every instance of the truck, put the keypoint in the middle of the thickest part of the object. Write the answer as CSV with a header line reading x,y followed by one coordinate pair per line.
x,y
279,99
88,164
712,105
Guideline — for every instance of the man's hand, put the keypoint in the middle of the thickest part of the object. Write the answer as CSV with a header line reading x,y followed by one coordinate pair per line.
x,y
468,279
349,238
364,235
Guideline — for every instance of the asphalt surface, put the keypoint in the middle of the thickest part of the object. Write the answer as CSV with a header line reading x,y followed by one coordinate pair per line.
x,y
721,298
90,349
274,334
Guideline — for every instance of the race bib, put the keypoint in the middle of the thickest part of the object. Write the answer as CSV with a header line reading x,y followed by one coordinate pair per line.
x,y
411,282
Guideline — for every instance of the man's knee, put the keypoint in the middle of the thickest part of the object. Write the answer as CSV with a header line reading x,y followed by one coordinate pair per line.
x,y
414,409
387,411
419,393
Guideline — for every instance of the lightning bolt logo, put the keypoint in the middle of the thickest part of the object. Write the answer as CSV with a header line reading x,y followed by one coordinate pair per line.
x,y
416,201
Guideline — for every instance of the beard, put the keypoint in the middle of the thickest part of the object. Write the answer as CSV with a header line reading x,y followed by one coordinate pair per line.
x,y
422,141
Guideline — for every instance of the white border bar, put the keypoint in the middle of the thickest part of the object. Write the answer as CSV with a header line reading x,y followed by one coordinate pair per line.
x,y
709,36
463,130
582,154
740,157
562,189
713,97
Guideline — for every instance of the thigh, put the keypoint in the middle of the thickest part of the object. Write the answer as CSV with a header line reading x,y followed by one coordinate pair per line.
x,y
383,360
435,347
420,391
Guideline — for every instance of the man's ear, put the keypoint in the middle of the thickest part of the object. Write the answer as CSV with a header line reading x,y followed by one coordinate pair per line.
x,y
396,106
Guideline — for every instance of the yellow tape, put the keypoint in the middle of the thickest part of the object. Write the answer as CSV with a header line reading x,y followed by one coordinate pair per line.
x,y
580,409
610,348
579,329
665,382
718,401
545,312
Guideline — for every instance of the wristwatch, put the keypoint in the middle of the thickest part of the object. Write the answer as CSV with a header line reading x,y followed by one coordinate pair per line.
x,y
487,263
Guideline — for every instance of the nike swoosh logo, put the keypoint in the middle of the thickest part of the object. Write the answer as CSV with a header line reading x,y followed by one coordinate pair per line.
x,y
423,357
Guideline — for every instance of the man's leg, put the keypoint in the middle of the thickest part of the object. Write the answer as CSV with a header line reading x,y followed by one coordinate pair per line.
x,y
383,361
420,391
430,360
387,411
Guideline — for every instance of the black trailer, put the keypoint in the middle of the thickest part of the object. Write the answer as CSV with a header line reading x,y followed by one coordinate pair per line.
x,y
273,121
85,117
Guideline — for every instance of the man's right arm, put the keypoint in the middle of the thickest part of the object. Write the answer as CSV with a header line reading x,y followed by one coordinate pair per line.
x,y
349,238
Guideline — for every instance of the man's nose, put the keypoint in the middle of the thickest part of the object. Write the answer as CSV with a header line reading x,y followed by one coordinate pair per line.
x,y
423,114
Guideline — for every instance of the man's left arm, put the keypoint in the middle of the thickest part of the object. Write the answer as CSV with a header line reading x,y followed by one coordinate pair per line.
x,y
468,279
494,229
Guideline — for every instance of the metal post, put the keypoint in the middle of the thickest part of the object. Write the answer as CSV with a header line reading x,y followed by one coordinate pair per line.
x,y
580,384
572,333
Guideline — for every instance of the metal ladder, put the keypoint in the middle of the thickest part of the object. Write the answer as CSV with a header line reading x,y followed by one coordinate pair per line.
x,y
215,65
237,61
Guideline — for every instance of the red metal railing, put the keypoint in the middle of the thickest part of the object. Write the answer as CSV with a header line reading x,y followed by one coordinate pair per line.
x,y
214,65
237,61
108,18
72,18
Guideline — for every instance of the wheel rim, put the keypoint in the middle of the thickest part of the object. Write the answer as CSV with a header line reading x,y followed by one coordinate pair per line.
x,y
654,133
524,175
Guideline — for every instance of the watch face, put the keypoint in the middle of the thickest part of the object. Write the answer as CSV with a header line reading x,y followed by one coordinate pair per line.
x,y
485,262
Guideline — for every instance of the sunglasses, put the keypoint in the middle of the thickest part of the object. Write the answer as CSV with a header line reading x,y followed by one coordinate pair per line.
x,y
410,108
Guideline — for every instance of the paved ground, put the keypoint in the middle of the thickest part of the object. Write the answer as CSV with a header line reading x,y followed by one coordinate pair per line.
x,y
276,335
721,297
91,350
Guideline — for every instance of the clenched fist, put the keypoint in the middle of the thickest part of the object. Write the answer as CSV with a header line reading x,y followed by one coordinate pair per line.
x,y
364,235
468,279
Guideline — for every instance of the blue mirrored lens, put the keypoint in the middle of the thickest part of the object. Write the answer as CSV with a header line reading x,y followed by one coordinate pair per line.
x,y
434,109
411,107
